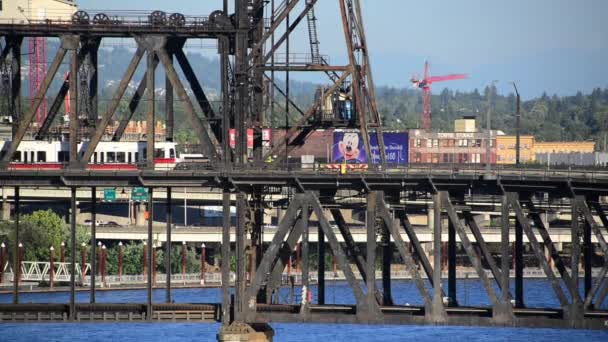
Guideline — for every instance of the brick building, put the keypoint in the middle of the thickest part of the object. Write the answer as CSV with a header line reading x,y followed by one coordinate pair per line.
x,y
450,147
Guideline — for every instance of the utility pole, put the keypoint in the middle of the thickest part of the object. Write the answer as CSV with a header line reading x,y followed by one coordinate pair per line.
x,y
517,127
489,130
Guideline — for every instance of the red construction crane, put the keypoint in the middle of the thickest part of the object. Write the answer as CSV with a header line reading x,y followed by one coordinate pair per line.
x,y
37,53
425,85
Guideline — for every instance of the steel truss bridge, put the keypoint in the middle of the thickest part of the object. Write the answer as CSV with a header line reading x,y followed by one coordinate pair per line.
x,y
249,43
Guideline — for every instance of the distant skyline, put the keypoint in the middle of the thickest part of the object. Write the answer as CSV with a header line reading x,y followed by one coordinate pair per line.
x,y
552,46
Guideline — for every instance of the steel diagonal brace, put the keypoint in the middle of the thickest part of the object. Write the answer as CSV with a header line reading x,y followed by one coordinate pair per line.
x,y
65,86
470,220
275,24
559,264
195,85
405,254
362,308
523,221
284,253
311,111
40,95
135,99
468,247
351,247
202,127
290,29
424,261
270,256
582,205
107,116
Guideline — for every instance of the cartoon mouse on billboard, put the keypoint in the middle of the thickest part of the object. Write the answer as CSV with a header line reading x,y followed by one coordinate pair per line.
x,y
349,148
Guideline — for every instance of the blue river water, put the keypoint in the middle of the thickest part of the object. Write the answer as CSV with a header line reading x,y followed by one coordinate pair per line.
x,y
469,292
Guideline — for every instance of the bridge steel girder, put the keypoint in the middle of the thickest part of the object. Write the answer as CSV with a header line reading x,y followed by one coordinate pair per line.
x,y
202,127
366,311
87,51
468,247
405,254
135,99
25,121
523,220
472,224
571,281
270,257
309,113
351,247
285,251
592,291
11,57
116,98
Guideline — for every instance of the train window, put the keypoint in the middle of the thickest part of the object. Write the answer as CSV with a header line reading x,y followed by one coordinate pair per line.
x,y
63,156
145,154
101,157
171,153
129,155
111,157
17,156
41,156
159,153
25,157
120,157
94,157
32,157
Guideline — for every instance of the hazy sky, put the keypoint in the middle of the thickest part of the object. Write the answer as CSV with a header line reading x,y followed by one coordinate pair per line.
x,y
557,46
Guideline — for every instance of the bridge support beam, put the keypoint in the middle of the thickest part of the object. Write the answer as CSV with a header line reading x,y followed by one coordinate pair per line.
x,y
72,314
225,250
17,249
370,266
320,266
169,220
438,312
149,259
94,260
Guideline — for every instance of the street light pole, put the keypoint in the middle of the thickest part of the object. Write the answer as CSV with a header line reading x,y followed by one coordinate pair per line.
x,y
517,126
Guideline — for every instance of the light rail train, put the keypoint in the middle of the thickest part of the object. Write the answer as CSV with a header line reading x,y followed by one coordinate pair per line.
x,y
109,155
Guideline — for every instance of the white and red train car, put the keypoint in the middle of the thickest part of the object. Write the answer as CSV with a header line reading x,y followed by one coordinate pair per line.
x,y
109,155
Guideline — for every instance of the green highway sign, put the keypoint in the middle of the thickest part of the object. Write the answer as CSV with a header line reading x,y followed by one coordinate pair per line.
x,y
139,194
109,195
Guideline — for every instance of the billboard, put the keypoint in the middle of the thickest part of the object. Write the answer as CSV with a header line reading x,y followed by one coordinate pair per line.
x,y
348,147
232,138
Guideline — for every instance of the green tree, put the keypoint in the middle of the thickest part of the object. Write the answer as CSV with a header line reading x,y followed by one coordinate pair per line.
x,y
38,232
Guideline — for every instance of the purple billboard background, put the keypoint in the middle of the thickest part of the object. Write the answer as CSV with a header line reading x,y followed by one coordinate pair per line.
x,y
348,146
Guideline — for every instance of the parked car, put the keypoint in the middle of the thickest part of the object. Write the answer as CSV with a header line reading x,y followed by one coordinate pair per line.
x,y
90,223
109,224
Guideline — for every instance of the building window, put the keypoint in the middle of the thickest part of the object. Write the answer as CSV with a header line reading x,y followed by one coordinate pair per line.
x,y
63,156
429,143
417,142
41,156
111,157
120,157
0,5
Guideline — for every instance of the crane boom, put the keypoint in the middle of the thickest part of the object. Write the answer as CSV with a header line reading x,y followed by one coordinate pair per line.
x,y
425,85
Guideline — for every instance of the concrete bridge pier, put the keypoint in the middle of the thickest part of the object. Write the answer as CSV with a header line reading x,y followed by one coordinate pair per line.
x,y
140,218
240,332
6,211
